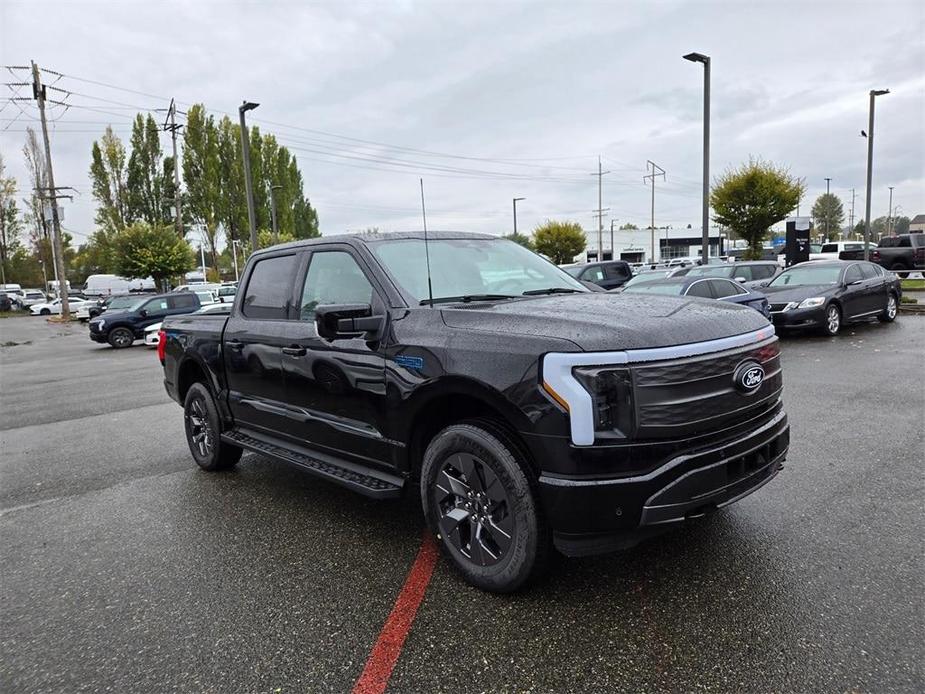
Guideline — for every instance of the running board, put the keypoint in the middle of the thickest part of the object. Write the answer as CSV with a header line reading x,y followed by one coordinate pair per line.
x,y
359,478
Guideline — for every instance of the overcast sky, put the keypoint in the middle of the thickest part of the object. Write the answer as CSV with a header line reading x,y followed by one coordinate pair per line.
x,y
502,99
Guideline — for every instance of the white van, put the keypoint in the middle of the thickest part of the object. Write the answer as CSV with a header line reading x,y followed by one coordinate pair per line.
x,y
105,285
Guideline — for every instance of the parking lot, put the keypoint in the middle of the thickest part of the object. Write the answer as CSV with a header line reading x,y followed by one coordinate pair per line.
x,y
125,568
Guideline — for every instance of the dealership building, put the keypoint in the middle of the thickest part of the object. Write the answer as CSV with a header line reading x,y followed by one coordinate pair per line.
x,y
635,245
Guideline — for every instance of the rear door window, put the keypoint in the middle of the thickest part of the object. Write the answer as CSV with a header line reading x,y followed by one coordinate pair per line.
x,y
701,289
724,288
269,289
616,271
830,248
868,272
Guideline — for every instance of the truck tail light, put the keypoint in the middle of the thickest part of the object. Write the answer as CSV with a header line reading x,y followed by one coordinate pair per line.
x,y
875,256
919,254
161,345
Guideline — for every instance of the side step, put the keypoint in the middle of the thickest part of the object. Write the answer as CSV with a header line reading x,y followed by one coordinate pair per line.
x,y
366,481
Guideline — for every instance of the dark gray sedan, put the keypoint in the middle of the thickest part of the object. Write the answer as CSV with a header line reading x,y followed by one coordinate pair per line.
x,y
705,288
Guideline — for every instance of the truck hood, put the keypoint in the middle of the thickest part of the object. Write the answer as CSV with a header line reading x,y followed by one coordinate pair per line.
x,y
602,322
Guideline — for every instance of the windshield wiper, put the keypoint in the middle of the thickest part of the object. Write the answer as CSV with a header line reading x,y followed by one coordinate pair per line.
x,y
552,290
466,298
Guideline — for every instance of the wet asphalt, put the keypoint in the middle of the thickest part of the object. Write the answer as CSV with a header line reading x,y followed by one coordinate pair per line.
x,y
123,568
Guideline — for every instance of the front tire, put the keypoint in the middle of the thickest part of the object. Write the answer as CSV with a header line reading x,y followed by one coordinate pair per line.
x,y
204,431
889,313
45,312
120,338
832,323
480,504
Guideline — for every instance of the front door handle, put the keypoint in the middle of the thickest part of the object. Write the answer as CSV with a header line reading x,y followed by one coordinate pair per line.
x,y
235,345
295,351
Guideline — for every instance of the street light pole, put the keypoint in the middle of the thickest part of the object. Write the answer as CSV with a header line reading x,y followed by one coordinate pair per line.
x,y
515,214
248,180
889,214
273,212
874,93
705,213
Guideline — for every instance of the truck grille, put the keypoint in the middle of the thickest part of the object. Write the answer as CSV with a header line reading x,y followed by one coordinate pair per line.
x,y
688,396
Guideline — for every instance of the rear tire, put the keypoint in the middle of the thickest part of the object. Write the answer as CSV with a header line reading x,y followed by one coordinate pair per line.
x,y
900,270
204,431
889,313
480,504
832,323
120,338
45,312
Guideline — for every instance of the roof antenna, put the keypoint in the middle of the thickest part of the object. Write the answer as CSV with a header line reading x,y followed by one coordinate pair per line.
x,y
430,288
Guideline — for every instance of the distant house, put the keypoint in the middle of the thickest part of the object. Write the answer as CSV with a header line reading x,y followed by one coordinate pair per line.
x,y
917,223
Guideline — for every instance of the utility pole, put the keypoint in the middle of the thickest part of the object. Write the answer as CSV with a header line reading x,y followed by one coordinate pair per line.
x,y
851,216
889,214
874,93
516,200
173,128
600,211
655,171
248,180
38,92
273,190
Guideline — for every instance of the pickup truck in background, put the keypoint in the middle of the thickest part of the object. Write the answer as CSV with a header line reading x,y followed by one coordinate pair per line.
x,y
528,412
901,254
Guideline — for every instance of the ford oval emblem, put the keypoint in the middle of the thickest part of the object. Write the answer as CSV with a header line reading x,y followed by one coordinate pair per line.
x,y
748,377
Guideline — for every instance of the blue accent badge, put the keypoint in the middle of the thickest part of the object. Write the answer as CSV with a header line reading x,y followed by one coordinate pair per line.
x,y
409,362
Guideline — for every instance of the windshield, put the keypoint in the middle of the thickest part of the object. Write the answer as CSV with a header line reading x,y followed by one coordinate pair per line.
x,y
470,267
673,289
122,303
711,271
807,275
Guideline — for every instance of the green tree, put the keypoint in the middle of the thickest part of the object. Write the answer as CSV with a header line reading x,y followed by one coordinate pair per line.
x,y
145,174
749,199
154,250
629,226
231,204
97,255
559,241
9,221
35,163
522,239
901,225
201,173
109,182
828,213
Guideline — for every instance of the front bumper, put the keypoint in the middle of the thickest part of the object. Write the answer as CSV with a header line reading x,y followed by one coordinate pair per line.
x,y
799,318
590,516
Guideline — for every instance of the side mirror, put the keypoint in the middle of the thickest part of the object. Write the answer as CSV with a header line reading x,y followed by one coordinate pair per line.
x,y
143,313
344,321
741,280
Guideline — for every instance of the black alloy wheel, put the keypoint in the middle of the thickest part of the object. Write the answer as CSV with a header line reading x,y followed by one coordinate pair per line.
x,y
474,508
120,338
479,498
204,429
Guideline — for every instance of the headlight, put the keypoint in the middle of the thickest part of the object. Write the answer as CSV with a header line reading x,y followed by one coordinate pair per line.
x,y
812,302
612,396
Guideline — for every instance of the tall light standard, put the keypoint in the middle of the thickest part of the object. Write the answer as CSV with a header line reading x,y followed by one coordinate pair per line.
x,y
889,214
273,212
705,59
248,181
234,255
515,214
874,93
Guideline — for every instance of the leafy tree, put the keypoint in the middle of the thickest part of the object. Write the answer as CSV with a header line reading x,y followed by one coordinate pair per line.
x,y
232,204
901,225
881,226
145,174
35,163
153,250
629,226
828,213
559,241
9,221
201,173
522,239
749,199
109,182
97,255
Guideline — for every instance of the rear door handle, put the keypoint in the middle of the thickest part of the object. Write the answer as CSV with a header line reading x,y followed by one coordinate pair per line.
x,y
295,351
235,345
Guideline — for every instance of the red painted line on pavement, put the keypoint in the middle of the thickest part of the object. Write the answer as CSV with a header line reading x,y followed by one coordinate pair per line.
x,y
388,646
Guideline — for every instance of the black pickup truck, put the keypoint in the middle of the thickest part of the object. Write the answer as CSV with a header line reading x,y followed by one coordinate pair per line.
x,y
529,412
902,254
